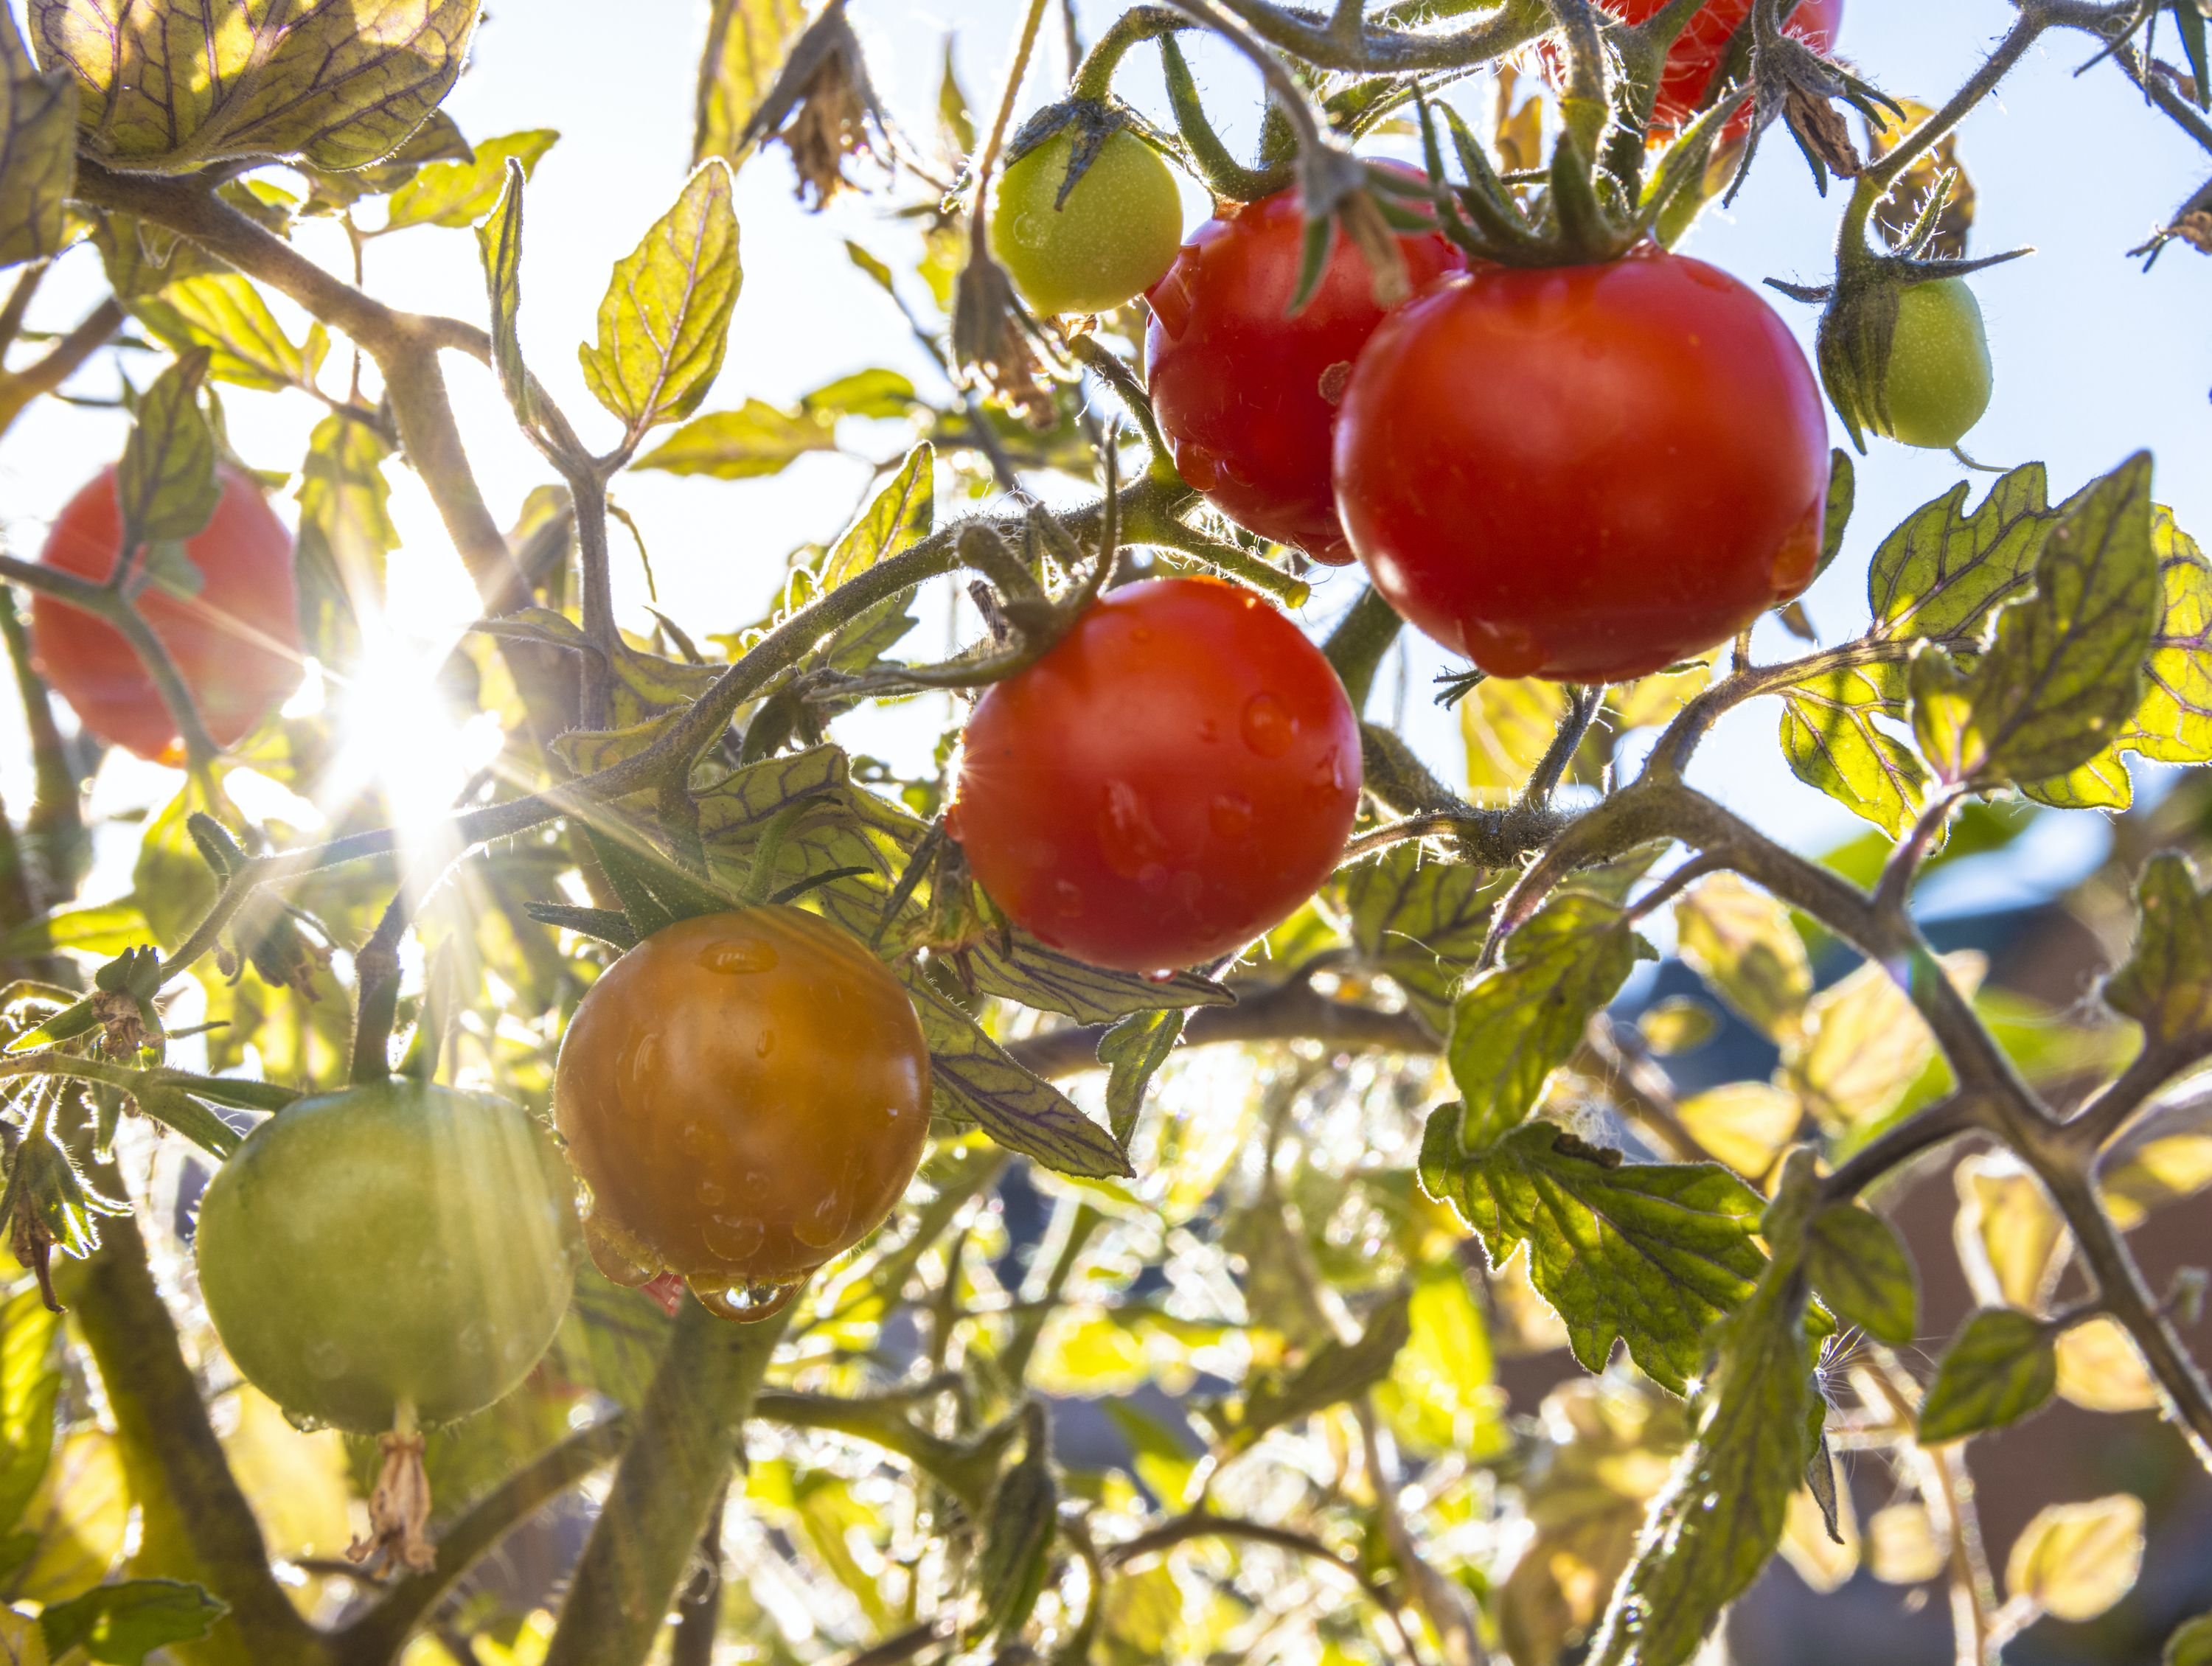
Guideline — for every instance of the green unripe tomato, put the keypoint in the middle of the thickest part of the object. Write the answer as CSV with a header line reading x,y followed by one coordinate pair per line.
x,y
390,1243
1114,237
1937,384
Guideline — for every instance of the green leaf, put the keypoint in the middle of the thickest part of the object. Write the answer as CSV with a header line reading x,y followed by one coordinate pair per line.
x,y
756,439
1741,942
1042,977
1650,1254
2074,1561
459,193
1333,1373
345,534
166,483
1829,735
2189,24
176,1110
1843,492
38,152
2064,671
666,319
2190,1643
897,517
30,1388
1507,724
974,1080
224,312
499,245
1942,573
1132,1051
169,88
1722,1513
120,1624
2167,985
1854,1260
747,41
2174,722
875,393
1519,1021
2002,1366
101,927
1421,923
1023,1518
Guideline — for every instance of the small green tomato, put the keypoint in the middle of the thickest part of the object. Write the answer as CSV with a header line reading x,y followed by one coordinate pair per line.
x,y
1938,382
393,1244
1114,237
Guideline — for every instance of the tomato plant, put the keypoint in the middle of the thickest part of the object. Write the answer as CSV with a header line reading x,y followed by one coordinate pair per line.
x,y
1702,49
1246,390
229,621
1586,473
388,1247
745,1095
1170,780
1104,243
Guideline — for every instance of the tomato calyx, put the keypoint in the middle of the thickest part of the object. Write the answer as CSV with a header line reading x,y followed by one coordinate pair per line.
x,y
824,109
1793,83
398,1508
1088,123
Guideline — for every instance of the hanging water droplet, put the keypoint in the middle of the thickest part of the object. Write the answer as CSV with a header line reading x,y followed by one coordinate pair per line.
x,y
739,954
1268,726
733,1237
618,1261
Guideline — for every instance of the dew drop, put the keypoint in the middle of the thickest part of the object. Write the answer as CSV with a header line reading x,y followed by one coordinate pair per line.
x,y
763,1044
644,1063
1268,726
710,1192
1230,815
732,1239
825,1223
326,1360
1504,651
745,1304
739,954
1067,898
1201,468
694,1137
618,1261
1170,298
1797,557
1131,844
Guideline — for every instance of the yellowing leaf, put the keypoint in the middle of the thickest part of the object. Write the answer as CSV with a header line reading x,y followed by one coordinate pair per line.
x,y
1903,1548
756,439
2076,1560
1652,701
224,312
1830,736
1507,723
459,193
1744,1123
79,1516
747,41
1819,1561
296,1483
168,89
2100,1369
38,151
1439,1392
1865,1044
666,318
2011,1241
2154,1172
1088,1353
1740,941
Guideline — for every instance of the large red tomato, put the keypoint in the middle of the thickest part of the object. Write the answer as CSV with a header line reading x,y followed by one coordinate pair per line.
x,y
1584,472
1699,50
1246,394
1173,779
236,643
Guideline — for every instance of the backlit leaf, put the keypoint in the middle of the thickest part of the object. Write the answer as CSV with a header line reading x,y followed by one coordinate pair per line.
x,y
30,1384
666,318
1941,572
2074,1560
1650,1254
166,482
38,151
1018,1541
1421,921
499,245
1740,941
1519,1021
1507,723
1333,1372
1998,1368
974,1080
756,439
747,41
345,534
1865,1045
1833,741
79,1517
459,193
2012,1243
1902,1546
1132,1051
2190,1643
2167,985
2100,1369
122,1623
224,312
1853,1259
896,517
1744,1123
168,88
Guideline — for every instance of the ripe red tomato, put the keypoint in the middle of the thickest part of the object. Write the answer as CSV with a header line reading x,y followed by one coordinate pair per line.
x,y
1173,779
1246,394
1586,472
236,644
745,1095
1700,50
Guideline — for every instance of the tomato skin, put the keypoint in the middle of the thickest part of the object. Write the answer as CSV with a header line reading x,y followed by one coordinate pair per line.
x,y
1175,777
1702,48
1586,473
236,644
1939,380
746,1095
1248,396
1106,245
389,1242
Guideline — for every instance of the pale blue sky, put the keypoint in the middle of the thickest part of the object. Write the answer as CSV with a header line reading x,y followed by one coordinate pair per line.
x,y
2094,359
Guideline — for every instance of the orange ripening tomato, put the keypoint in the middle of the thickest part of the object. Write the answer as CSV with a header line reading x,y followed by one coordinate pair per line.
x,y
745,1095
236,644
1586,473
1175,778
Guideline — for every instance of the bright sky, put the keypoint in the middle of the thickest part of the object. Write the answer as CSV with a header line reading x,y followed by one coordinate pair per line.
x,y
2094,359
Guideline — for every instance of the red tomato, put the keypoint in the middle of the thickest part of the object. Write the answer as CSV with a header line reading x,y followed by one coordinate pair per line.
x,y
1247,395
1175,778
1699,50
236,644
1585,472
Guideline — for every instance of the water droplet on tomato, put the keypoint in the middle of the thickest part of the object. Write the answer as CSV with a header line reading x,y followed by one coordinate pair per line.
x,y
326,1360
1164,975
747,1304
1198,466
1268,726
1230,815
1067,898
1797,556
644,1063
1503,650
710,1192
694,1137
618,1261
763,1044
825,1223
732,1239
1171,297
1031,231
1131,844
739,954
